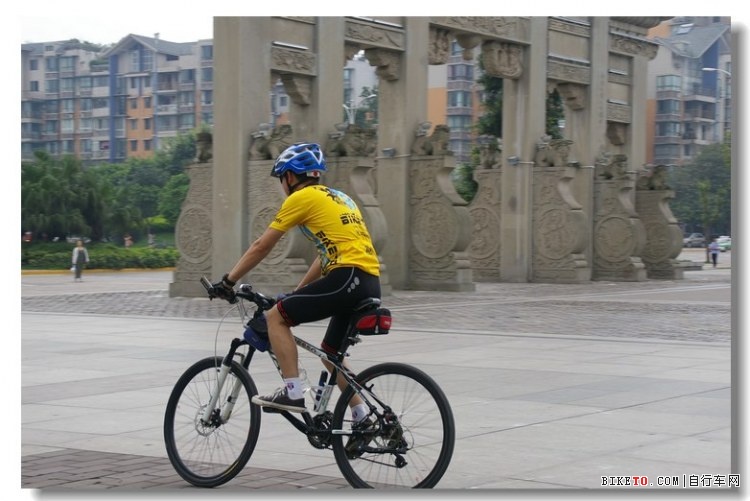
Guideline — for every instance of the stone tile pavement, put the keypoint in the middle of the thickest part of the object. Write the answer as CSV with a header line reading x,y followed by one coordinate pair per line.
x,y
552,386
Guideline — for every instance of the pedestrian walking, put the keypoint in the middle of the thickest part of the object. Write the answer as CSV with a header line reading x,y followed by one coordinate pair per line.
x,y
80,257
714,249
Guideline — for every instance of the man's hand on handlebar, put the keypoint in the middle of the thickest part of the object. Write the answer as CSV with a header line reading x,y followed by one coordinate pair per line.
x,y
224,289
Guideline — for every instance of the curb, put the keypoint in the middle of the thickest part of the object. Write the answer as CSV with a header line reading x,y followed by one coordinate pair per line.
x,y
87,270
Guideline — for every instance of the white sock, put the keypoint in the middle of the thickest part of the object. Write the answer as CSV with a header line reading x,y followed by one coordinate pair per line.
x,y
294,387
359,412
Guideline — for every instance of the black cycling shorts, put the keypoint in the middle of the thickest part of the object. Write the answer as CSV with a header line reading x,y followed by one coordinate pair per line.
x,y
334,296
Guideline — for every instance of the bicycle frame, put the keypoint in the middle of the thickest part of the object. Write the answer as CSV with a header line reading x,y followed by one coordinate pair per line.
x,y
323,391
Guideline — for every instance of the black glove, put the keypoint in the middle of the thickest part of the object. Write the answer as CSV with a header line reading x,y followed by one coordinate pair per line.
x,y
224,289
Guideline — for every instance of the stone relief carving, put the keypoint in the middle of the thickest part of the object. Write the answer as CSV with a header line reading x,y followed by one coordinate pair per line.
x,y
352,141
295,61
629,45
440,227
568,72
559,226
467,43
369,35
552,152
617,133
503,59
203,147
574,95
654,179
439,46
388,63
611,166
618,113
298,87
267,143
438,143
490,150
577,27
501,27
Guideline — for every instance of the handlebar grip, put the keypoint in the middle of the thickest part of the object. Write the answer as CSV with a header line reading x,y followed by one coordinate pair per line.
x,y
206,283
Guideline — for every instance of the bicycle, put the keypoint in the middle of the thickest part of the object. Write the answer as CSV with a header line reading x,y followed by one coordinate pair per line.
x,y
211,427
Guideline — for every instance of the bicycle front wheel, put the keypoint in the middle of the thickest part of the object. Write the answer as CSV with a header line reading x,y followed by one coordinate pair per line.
x,y
208,454
414,441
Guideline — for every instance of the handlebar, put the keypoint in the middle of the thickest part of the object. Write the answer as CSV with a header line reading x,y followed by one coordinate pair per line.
x,y
245,292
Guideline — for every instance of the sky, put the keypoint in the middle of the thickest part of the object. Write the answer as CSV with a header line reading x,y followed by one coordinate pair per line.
x,y
87,20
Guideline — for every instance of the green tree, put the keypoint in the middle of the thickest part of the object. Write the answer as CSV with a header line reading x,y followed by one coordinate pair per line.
x,y
172,196
703,191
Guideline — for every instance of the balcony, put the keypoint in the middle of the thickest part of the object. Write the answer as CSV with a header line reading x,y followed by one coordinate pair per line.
x,y
668,117
166,109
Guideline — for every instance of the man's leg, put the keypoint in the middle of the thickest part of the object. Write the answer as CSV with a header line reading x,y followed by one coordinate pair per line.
x,y
282,343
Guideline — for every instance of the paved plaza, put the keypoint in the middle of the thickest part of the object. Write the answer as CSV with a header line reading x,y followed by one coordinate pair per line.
x,y
553,387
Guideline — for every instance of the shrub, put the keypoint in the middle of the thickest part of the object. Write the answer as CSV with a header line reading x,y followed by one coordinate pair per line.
x,y
101,256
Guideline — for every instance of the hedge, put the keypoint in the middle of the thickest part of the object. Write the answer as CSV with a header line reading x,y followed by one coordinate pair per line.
x,y
101,256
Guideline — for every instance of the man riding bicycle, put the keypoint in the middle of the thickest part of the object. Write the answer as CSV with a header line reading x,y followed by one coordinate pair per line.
x,y
345,271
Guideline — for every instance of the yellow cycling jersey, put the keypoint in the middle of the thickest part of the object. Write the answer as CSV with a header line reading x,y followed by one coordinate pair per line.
x,y
333,222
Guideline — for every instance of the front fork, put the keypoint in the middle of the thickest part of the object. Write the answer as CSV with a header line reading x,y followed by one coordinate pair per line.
x,y
226,367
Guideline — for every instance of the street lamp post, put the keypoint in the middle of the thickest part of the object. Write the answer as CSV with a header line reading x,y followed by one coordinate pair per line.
x,y
351,111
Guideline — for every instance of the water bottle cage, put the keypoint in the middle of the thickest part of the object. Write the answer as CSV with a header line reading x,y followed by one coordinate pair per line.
x,y
373,322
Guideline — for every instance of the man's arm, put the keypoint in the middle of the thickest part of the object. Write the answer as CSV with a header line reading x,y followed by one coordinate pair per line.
x,y
257,251
313,273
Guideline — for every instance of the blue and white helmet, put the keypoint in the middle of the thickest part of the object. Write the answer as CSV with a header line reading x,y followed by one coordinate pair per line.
x,y
300,158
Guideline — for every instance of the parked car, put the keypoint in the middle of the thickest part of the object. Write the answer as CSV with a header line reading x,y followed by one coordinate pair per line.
x,y
694,240
725,243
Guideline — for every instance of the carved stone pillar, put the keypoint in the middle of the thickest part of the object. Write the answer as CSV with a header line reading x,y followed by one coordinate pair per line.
x,y
559,228
486,211
619,235
440,228
194,234
663,235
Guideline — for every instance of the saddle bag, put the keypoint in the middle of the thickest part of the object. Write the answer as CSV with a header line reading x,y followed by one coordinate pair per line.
x,y
373,322
256,333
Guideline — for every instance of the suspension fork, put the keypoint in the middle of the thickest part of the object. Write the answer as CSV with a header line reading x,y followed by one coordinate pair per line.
x,y
226,367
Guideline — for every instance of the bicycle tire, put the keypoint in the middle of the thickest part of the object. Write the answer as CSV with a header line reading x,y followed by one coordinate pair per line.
x,y
425,420
210,456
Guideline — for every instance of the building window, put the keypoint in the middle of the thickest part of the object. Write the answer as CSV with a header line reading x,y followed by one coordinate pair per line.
x,y
34,86
207,52
187,76
67,63
459,98
147,101
147,144
133,123
67,126
207,74
84,83
133,145
68,105
52,86
147,124
134,103
85,104
207,97
668,83
51,63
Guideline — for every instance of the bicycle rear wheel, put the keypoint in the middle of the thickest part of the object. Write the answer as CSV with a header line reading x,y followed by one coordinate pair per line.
x,y
413,447
210,454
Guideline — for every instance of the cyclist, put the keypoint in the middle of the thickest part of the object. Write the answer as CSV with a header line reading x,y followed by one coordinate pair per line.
x,y
345,271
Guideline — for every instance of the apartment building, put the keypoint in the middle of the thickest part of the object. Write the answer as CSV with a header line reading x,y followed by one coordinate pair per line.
x,y
689,88
106,105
